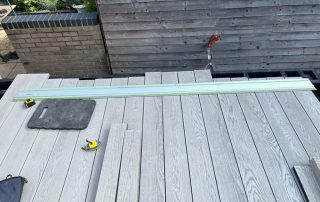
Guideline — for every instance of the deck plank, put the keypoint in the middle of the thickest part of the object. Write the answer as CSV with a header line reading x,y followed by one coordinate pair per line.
x,y
152,187
39,155
6,102
252,172
77,181
275,165
308,182
128,186
108,182
23,142
113,114
308,134
202,176
177,178
224,161
17,116
54,176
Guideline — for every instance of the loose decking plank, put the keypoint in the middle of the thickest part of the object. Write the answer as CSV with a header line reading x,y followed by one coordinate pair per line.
x,y
251,169
6,103
224,161
39,155
128,186
202,176
17,116
315,165
23,142
113,114
306,131
177,178
108,182
273,160
152,184
54,176
77,181
308,182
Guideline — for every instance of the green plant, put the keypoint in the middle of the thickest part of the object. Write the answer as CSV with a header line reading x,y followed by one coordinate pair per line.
x,y
90,5
27,5
48,4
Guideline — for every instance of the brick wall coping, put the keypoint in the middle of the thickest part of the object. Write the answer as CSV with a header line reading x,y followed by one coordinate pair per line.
x,y
50,20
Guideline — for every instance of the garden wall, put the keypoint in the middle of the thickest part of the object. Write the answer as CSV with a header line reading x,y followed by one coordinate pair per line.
x,y
64,45
152,35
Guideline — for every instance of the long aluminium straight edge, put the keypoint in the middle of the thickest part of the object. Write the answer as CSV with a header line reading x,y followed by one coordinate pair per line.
x,y
168,89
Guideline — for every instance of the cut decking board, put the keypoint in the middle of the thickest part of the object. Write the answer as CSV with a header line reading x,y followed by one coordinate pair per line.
x,y
77,181
308,134
202,176
176,161
273,160
59,162
37,160
16,118
108,182
23,142
128,185
225,164
308,182
113,114
315,166
169,89
251,169
152,184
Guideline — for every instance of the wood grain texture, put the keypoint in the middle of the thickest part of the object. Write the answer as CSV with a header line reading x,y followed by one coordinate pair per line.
x,y
315,166
308,182
23,142
251,169
59,162
278,172
17,116
308,134
77,181
128,187
148,31
39,155
152,182
113,114
202,176
108,182
177,178
225,164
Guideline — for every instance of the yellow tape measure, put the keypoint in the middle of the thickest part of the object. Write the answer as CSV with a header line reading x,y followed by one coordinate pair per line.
x,y
29,102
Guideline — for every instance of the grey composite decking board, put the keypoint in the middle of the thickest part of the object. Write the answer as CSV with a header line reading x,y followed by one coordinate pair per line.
x,y
6,103
41,150
152,182
17,117
59,162
108,181
226,171
129,179
283,130
114,112
306,131
308,182
251,169
315,166
202,176
23,142
278,172
311,105
78,179
177,177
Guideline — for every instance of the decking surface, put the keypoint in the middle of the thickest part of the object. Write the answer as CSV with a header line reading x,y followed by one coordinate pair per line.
x,y
228,147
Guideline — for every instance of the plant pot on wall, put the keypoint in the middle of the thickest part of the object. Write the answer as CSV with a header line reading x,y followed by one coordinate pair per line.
x,y
79,8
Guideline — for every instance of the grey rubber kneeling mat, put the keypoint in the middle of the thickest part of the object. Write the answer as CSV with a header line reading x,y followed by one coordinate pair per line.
x,y
69,114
